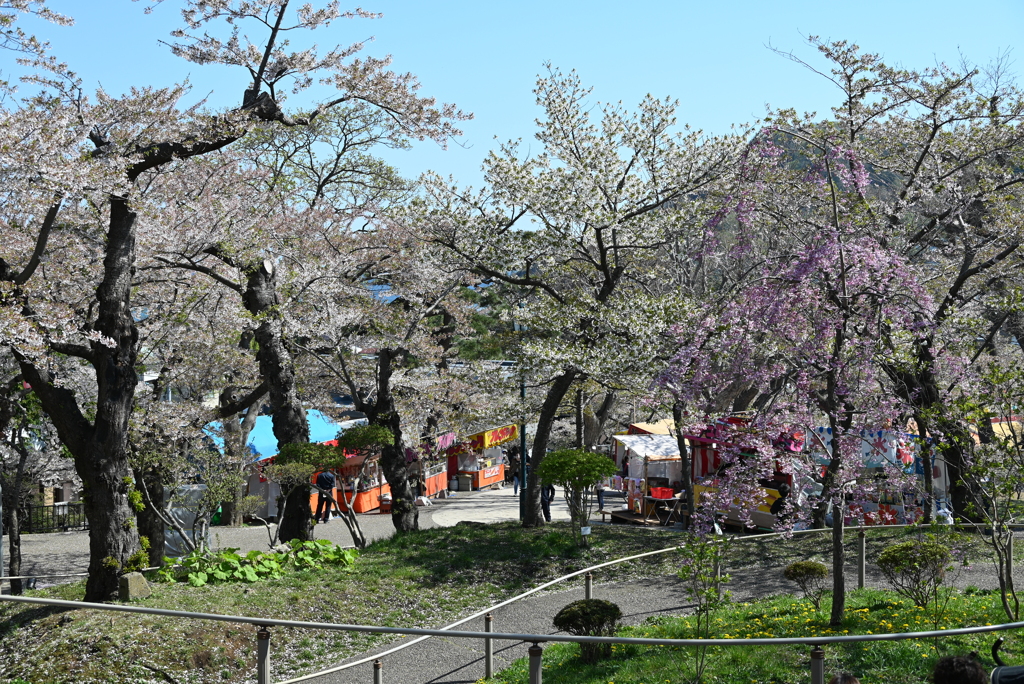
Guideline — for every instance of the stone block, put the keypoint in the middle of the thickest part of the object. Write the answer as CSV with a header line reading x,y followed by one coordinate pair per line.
x,y
133,586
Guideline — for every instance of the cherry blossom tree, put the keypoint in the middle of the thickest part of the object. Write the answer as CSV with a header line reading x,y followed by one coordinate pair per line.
x,y
941,148
579,228
389,340
809,334
76,170
286,224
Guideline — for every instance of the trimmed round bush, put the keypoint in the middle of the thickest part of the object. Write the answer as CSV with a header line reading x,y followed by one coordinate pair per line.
x,y
590,617
811,577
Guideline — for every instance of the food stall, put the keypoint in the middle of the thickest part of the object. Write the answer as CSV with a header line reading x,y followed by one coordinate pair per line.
x,y
432,476
428,465
647,462
361,481
880,449
477,461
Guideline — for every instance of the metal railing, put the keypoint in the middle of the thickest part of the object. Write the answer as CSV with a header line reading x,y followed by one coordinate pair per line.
x,y
535,651
58,517
263,626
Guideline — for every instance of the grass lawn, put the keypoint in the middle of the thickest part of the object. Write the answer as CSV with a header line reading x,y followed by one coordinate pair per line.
x,y
868,611
425,579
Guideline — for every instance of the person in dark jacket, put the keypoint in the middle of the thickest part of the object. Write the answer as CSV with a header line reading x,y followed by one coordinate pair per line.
x,y
325,483
547,495
514,467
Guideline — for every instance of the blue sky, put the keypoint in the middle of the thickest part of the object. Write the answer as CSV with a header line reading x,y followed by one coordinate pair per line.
x,y
484,56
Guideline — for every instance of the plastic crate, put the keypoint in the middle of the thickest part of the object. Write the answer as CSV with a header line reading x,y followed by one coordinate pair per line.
x,y
662,492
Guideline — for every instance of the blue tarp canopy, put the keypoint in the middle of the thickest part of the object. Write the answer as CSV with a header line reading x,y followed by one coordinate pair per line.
x,y
264,444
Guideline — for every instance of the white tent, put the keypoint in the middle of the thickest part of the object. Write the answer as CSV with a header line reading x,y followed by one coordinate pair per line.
x,y
649,456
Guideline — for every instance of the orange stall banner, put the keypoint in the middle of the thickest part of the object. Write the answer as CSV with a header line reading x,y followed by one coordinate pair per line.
x,y
486,439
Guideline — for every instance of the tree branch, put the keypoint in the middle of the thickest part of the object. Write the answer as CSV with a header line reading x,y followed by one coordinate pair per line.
x,y
41,240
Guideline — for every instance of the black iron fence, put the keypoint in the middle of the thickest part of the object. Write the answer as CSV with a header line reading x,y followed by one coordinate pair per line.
x,y
58,517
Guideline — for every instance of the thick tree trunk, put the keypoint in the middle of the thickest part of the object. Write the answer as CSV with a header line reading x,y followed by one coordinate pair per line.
x,y
533,517
297,521
404,514
595,422
278,371
100,449
103,463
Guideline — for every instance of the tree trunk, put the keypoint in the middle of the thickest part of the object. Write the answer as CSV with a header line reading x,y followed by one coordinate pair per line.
x,y
12,495
533,516
12,527
687,462
297,521
926,465
832,488
838,564
404,513
278,370
100,449
594,422
236,437
925,394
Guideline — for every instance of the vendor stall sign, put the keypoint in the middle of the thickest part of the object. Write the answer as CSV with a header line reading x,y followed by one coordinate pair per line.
x,y
486,439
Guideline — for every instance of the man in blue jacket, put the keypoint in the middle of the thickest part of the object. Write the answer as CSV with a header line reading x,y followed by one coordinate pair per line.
x,y
325,484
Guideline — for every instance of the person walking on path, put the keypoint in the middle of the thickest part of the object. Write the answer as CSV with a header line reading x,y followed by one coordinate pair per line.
x,y
513,467
547,495
325,484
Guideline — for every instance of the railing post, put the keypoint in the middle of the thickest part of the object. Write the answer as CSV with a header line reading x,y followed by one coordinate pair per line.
x,y
588,586
263,656
488,647
378,672
817,665
861,557
536,674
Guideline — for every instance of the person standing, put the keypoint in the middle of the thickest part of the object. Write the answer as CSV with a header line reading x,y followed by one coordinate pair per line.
x,y
514,468
325,484
547,495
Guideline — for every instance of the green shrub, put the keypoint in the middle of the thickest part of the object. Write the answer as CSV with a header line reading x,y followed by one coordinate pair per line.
x,y
811,577
577,471
915,569
199,568
590,617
